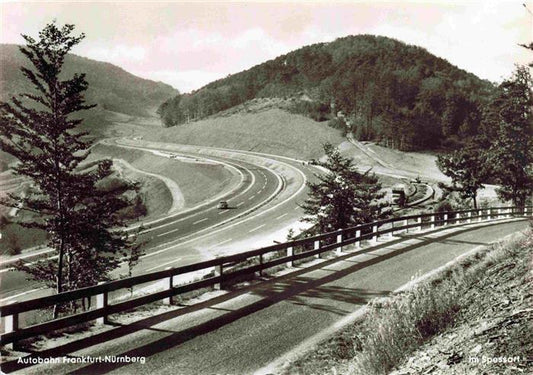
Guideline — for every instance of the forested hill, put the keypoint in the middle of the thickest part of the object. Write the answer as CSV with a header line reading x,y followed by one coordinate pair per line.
x,y
110,87
378,87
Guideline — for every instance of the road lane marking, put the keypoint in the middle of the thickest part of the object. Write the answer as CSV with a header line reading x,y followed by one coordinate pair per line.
x,y
240,204
172,231
279,217
199,221
164,264
223,212
256,228
252,197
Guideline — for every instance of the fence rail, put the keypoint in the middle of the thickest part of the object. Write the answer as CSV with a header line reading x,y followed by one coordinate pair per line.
x,y
225,269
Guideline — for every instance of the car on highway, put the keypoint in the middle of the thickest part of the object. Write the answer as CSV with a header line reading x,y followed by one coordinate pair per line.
x,y
222,205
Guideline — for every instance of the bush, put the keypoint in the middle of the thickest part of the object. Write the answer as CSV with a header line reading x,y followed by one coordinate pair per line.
x,y
4,221
444,206
13,245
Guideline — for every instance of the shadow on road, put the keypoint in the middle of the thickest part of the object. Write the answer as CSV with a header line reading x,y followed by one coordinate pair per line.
x,y
292,287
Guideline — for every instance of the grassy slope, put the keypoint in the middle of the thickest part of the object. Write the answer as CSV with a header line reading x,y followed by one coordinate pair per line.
x,y
495,321
155,195
212,178
477,308
271,131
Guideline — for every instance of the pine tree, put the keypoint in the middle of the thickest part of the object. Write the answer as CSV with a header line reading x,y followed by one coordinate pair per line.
x,y
466,168
37,128
342,197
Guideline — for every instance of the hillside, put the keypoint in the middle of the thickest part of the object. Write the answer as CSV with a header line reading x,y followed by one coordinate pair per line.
x,y
380,88
267,130
110,87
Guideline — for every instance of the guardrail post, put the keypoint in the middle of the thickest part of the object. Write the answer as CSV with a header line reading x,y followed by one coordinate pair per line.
x,y
488,213
290,253
11,323
479,213
339,241
419,221
432,221
218,272
469,217
445,220
510,212
375,233
499,213
405,222
169,300
316,247
101,303
358,236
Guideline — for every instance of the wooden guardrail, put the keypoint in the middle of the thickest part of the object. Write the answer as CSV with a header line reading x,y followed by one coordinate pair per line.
x,y
225,269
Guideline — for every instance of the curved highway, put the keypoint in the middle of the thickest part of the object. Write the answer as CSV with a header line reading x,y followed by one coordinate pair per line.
x,y
260,203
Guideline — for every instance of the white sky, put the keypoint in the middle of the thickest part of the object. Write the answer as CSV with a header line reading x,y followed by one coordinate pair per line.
x,y
190,44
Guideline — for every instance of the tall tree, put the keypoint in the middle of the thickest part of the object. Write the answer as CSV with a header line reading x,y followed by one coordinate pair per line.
x,y
511,153
466,168
37,128
342,197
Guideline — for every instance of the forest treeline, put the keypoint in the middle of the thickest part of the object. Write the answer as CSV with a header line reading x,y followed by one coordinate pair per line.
x,y
377,87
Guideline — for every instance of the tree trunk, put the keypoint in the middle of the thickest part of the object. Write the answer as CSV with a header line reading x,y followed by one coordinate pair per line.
x,y
59,275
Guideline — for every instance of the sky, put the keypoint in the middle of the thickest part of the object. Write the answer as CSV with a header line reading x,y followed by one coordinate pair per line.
x,y
189,44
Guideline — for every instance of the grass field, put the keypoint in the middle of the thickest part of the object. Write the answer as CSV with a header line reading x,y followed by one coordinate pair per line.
x,y
271,131
197,181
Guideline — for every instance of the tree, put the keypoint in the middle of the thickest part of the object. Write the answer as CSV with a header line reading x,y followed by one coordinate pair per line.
x,y
37,128
511,152
342,197
466,168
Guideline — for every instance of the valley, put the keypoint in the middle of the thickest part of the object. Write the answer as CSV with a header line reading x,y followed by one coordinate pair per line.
x,y
268,211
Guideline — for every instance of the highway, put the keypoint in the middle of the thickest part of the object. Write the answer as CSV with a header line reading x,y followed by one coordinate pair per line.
x,y
259,327
265,202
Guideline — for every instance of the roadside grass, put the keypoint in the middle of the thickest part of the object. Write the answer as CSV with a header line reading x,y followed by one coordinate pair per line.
x,y
197,182
393,328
